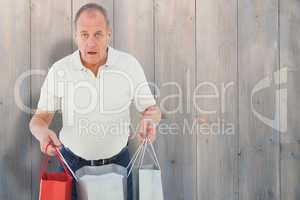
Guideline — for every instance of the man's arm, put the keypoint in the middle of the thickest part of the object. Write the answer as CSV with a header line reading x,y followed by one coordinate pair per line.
x,y
39,127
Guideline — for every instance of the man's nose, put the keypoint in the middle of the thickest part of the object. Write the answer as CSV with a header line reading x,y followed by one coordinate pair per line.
x,y
91,42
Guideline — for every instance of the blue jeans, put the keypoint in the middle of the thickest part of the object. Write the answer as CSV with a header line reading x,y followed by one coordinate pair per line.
x,y
76,163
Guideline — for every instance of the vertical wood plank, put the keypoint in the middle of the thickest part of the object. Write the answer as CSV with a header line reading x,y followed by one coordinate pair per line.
x,y
175,75
108,5
51,40
217,138
133,33
258,58
15,143
290,61
133,30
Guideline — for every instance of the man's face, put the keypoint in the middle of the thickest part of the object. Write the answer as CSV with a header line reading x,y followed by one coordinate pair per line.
x,y
92,36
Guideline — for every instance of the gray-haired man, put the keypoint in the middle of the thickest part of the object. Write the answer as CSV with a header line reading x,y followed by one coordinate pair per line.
x,y
93,88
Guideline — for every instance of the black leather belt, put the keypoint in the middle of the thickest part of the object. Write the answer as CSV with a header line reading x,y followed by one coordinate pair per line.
x,y
103,161
99,162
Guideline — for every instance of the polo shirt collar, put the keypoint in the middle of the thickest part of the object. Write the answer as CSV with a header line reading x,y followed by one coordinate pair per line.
x,y
78,64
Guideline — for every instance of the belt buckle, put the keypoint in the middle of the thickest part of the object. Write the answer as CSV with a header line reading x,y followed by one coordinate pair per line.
x,y
99,162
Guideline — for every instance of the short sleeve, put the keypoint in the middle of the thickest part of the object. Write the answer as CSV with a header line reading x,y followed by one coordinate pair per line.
x,y
49,99
143,98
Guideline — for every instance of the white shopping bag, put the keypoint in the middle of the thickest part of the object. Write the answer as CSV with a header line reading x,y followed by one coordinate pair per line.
x,y
150,186
147,182
106,182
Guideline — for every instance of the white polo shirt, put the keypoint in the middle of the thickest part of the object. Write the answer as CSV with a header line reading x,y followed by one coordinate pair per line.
x,y
95,110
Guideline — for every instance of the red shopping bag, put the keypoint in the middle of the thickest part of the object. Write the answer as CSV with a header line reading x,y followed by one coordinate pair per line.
x,y
55,185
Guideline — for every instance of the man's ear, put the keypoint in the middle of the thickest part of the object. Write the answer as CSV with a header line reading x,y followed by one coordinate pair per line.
x,y
109,33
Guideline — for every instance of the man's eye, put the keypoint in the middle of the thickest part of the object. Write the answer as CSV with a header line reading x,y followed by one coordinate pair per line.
x,y
98,35
84,35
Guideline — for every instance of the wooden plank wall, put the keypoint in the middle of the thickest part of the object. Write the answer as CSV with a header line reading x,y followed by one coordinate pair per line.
x,y
217,76
258,58
48,45
289,20
210,55
15,142
175,63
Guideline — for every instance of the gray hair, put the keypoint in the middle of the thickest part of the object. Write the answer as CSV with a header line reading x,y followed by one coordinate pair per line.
x,y
89,7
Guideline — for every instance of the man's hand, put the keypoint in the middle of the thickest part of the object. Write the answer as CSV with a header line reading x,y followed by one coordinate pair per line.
x,y
49,136
39,128
150,117
153,113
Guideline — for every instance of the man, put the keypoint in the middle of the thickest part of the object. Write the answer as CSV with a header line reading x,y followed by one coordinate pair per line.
x,y
93,88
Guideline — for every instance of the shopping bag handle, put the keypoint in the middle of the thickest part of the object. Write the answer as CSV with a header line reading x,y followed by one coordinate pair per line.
x,y
65,163
134,158
140,153
46,162
154,156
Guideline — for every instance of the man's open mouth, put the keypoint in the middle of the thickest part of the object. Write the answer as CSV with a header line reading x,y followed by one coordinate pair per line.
x,y
92,52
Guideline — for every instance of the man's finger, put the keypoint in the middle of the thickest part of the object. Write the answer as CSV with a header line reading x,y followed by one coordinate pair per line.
x,y
151,108
44,147
55,140
152,136
140,138
51,152
143,127
150,112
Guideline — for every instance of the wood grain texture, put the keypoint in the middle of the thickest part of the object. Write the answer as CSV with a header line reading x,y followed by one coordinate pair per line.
x,y
217,139
133,33
252,150
15,143
51,40
290,61
174,75
257,59
133,30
